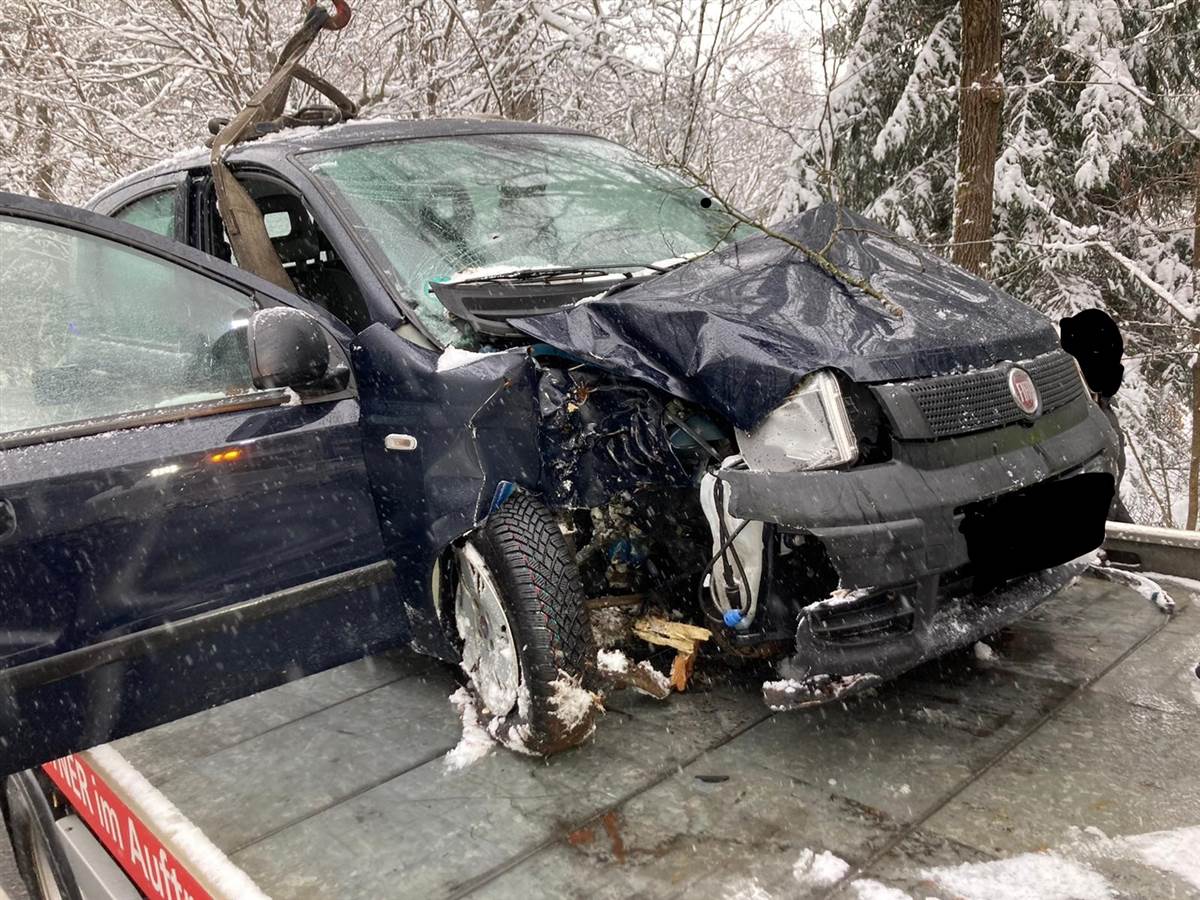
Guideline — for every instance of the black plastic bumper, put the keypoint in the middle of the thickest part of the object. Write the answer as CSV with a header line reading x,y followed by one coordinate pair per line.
x,y
936,629
819,674
994,506
900,521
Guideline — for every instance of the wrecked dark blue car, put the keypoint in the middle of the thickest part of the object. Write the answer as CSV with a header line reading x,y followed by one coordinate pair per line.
x,y
525,384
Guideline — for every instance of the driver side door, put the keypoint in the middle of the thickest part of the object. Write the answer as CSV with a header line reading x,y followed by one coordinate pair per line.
x,y
172,536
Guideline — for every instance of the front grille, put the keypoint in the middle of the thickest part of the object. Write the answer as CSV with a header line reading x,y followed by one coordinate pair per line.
x,y
960,404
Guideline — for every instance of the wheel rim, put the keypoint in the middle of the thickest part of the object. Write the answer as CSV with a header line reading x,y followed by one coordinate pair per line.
x,y
489,650
43,869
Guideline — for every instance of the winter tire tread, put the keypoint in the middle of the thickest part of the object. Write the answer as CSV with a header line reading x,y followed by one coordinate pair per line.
x,y
543,596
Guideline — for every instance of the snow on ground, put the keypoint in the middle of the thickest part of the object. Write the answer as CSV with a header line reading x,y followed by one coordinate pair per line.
x,y
1176,851
869,889
475,743
612,661
1144,585
1030,876
1173,851
813,870
1067,872
789,693
1151,590
747,890
1189,585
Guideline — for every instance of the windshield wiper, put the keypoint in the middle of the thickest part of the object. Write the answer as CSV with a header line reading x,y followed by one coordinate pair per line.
x,y
488,300
550,274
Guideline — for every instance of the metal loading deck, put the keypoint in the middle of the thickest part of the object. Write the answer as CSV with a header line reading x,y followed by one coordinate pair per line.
x,y
334,785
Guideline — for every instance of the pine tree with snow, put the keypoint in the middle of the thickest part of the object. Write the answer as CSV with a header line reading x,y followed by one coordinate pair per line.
x,y
1095,176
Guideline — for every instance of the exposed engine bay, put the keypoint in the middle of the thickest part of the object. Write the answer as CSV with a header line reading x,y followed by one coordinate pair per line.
x,y
635,488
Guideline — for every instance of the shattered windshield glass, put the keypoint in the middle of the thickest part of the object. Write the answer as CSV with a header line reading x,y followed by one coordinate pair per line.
x,y
441,208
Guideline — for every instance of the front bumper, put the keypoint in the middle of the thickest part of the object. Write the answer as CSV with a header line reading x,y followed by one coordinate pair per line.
x,y
932,538
817,674
899,521
936,629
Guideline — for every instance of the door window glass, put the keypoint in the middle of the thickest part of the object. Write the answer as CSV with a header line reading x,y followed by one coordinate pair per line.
x,y
154,213
90,328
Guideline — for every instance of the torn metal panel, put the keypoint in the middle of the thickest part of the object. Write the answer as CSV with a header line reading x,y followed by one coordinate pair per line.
x,y
735,331
476,426
483,424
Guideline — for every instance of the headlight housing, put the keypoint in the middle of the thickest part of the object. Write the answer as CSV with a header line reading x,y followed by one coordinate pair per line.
x,y
810,430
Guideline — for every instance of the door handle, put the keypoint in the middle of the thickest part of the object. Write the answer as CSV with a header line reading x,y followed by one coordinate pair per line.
x,y
8,520
399,442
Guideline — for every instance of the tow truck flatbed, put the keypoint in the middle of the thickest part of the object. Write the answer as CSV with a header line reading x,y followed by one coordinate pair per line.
x,y
1074,742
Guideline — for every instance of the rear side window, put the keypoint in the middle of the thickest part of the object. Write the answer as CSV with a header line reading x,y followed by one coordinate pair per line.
x,y
90,328
155,212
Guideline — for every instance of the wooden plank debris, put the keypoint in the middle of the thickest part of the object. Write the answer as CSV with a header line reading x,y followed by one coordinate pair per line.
x,y
684,639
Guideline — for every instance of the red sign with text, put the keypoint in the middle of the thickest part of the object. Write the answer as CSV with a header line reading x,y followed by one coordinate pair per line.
x,y
143,857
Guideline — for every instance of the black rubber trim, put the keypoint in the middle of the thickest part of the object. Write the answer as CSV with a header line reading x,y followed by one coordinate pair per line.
x,y
153,639
86,427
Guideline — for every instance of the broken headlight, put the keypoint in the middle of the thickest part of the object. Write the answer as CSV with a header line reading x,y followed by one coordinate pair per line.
x,y
809,431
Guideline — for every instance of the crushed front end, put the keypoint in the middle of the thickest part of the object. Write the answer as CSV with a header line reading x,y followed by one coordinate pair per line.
x,y
956,513
873,484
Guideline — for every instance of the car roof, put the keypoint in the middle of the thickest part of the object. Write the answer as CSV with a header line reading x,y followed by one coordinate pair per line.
x,y
272,148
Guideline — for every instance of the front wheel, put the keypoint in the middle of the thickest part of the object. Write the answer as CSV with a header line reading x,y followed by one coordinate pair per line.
x,y
527,648
42,864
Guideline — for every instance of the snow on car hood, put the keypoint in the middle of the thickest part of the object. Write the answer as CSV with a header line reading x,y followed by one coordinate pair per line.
x,y
736,330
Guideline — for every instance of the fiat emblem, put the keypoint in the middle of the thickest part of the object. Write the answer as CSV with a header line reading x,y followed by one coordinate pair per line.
x,y
1024,391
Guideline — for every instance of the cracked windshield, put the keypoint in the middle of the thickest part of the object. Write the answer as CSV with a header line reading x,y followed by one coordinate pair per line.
x,y
742,450
464,208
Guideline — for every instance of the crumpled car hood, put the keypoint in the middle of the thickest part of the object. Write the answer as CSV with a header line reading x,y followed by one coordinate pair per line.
x,y
736,330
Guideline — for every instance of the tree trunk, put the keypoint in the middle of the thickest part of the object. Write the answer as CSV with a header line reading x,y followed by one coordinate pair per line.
x,y
1193,507
980,98
43,176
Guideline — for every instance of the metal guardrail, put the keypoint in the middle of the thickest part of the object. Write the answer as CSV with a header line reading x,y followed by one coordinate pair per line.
x,y
1167,551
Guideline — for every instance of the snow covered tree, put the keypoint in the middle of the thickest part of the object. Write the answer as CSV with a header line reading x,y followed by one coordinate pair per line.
x,y
1094,176
93,90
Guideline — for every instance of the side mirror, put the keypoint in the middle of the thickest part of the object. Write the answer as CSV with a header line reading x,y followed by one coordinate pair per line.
x,y
287,348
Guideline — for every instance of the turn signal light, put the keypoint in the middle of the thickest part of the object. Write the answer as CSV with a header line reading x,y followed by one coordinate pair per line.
x,y
231,455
